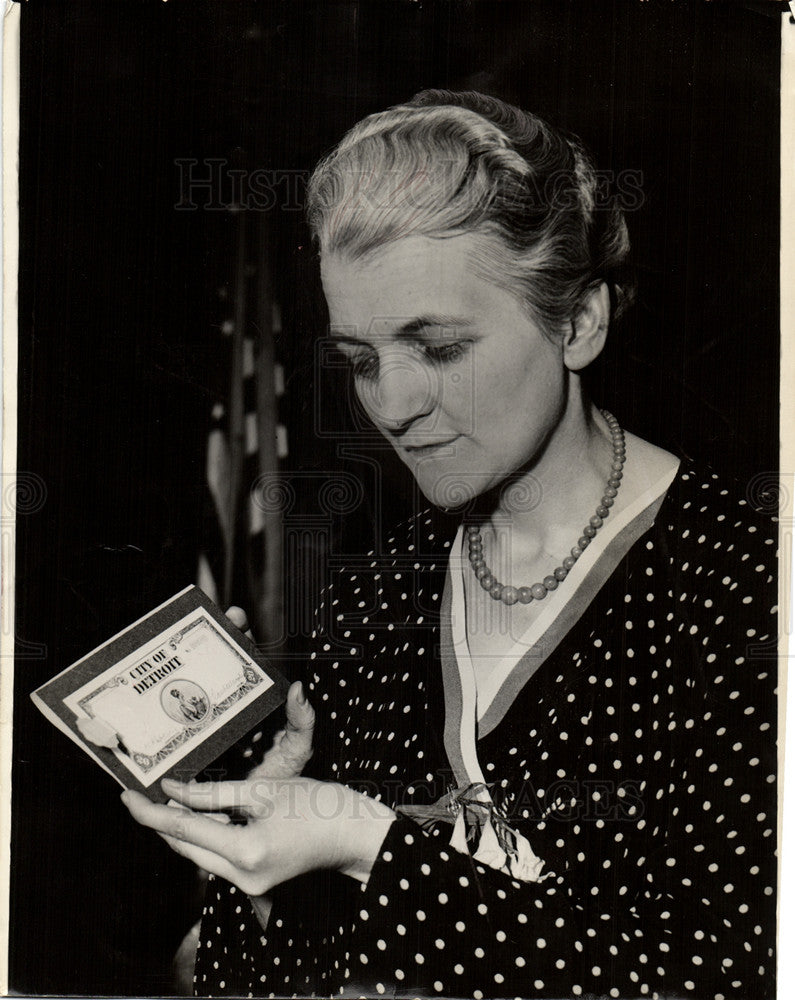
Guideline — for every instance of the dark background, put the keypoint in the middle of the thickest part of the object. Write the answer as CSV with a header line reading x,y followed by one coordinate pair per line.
x,y
121,357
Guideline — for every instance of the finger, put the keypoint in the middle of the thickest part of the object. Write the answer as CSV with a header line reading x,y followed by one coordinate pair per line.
x,y
239,618
183,824
300,714
202,858
209,796
275,764
296,744
292,746
219,817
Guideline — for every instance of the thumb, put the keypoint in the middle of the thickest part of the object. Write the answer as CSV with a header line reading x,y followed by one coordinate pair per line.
x,y
292,746
239,617
300,714
295,746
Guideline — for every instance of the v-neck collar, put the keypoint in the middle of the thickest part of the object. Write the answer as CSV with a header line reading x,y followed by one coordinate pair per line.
x,y
471,713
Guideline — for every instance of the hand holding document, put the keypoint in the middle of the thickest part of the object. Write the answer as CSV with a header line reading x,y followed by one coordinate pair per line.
x,y
166,696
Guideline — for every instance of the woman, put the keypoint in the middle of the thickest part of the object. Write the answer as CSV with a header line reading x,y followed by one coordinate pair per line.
x,y
545,746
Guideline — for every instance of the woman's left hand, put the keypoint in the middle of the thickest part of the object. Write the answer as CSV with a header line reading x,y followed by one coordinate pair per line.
x,y
293,826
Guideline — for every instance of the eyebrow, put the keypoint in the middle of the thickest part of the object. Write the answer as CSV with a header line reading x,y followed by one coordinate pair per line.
x,y
411,329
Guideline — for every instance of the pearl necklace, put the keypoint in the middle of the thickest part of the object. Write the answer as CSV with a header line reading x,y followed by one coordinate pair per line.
x,y
538,591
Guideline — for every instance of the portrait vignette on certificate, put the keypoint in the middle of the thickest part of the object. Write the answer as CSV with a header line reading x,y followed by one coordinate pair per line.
x,y
167,695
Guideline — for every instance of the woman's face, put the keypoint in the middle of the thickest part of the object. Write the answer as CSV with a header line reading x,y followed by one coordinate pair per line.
x,y
447,365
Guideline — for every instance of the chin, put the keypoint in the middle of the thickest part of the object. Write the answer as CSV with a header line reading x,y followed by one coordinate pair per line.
x,y
451,491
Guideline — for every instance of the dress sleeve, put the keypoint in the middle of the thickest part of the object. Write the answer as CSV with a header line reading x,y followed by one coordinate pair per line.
x,y
438,923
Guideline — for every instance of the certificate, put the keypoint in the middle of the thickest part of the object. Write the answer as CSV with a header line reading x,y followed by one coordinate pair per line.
x,y
166,696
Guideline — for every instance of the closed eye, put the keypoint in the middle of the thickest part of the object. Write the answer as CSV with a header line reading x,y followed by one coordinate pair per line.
x,y
366,366
446,353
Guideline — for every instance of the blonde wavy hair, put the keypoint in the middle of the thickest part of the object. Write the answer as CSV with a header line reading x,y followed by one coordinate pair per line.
x,y
453,162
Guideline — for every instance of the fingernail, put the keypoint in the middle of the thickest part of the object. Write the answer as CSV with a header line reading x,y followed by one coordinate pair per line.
x,y
124,797
301,696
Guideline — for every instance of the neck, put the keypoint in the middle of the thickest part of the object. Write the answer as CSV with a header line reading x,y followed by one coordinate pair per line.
x,y
547,504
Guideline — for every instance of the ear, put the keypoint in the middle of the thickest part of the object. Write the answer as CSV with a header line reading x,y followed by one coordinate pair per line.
x,y
584,342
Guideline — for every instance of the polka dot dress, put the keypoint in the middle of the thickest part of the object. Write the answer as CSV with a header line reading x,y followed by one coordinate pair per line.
x,y
639,762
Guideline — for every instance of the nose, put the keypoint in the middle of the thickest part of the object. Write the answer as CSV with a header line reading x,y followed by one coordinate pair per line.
x,y
405,390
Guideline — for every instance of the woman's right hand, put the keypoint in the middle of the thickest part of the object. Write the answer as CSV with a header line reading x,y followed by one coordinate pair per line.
x,y
292,746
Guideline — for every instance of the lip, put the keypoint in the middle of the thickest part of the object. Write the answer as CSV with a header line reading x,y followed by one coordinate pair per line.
x,y
431,446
